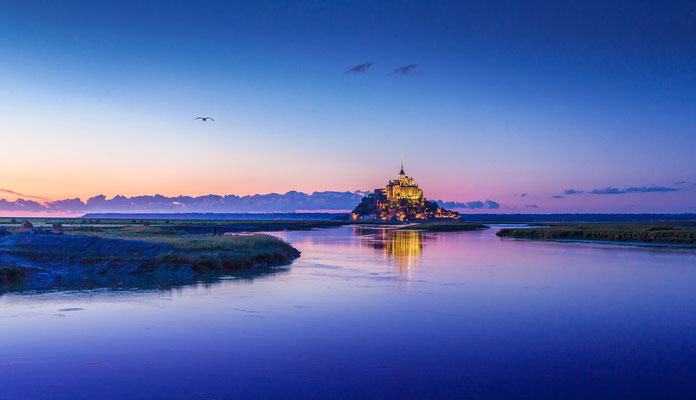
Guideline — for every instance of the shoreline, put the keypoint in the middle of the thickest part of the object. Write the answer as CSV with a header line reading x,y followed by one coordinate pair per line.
x,y
610,243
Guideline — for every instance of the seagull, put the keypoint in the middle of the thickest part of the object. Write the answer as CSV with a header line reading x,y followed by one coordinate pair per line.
x,y
205,118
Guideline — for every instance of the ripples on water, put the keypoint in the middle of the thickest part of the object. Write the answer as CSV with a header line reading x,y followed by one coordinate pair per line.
x,y
369,312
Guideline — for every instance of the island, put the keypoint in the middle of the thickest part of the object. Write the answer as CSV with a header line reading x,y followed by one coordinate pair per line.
x,y
664,233
400,201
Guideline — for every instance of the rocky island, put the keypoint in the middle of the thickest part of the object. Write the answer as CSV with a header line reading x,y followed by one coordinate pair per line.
x,y
402,201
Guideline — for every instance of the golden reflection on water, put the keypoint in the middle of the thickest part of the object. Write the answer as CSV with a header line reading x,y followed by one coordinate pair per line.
x,y
400,248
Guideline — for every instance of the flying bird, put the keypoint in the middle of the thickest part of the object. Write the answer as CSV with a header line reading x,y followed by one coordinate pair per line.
x,y
205,118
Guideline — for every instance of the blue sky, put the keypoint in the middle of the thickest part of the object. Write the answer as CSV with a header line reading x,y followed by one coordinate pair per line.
x,y
505,99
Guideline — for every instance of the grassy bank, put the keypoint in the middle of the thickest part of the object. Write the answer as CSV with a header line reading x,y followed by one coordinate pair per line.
x,y
658,233
448,226
133,256
226,252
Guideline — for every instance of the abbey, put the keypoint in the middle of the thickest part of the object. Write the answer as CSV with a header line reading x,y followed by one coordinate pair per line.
x,y
400,200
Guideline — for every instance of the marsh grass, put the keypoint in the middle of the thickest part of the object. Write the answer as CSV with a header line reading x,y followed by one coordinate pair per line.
x,y
228,252
665,233
210,252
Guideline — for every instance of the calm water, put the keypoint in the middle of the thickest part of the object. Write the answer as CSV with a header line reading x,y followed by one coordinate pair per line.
x,y
377,314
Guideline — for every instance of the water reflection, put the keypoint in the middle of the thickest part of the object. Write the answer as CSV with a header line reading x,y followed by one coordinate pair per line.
x,y
139,283
480,318
400,248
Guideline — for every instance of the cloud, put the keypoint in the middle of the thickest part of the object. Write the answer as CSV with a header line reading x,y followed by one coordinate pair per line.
x,y
456,204
473,205
68,205
21,205
492,204
608,190
680,182
360,68
643,189
613,190
532,206
652,189
8,191
523,195
406,69
558,197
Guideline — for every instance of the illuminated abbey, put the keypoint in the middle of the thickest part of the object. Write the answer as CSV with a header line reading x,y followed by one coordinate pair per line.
x,y
400,200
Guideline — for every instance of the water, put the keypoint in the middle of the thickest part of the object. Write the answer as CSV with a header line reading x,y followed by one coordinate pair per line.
x,y
375,314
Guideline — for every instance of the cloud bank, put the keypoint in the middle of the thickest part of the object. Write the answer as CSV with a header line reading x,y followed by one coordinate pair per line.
x,y
292,201
289,202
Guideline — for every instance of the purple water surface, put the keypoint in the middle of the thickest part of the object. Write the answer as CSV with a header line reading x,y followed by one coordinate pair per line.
x,y
372,313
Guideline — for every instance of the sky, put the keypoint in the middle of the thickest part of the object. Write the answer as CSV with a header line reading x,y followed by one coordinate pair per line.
x,y
517,103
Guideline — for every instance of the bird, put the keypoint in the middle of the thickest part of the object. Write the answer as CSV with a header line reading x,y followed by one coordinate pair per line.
x,y
205,118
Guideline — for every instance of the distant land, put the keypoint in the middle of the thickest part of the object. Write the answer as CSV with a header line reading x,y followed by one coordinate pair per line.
x,y
310,216
490,218
513,218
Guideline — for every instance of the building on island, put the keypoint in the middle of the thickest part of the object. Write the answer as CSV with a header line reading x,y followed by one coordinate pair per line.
x,y
400,200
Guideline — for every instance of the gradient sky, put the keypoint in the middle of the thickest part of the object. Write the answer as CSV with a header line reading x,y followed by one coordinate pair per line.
x,y
506,99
